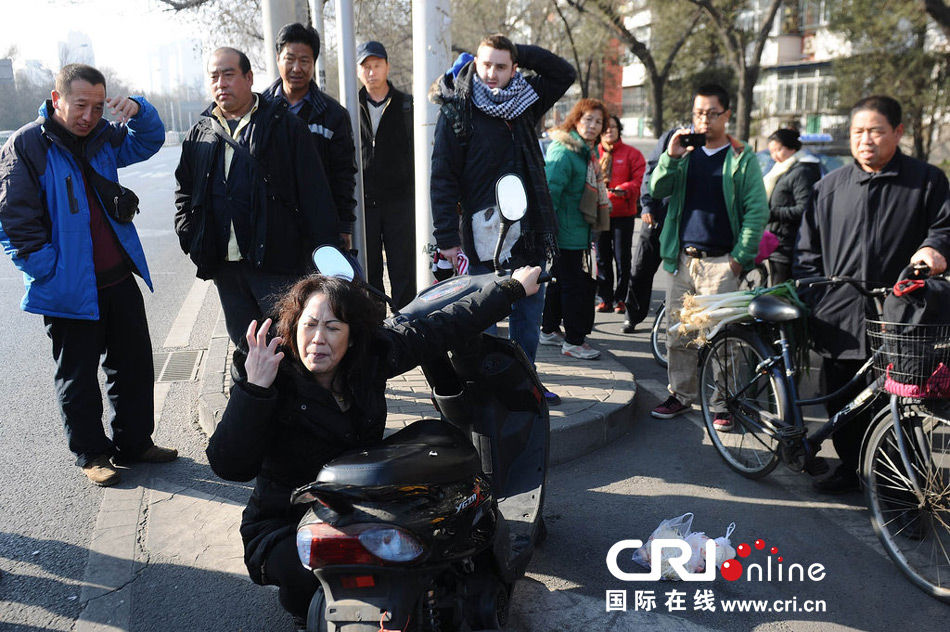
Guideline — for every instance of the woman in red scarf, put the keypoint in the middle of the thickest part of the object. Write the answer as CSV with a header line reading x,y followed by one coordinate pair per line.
x,y
622,166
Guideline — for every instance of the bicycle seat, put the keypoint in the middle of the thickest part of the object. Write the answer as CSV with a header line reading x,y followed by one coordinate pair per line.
x,y
774,310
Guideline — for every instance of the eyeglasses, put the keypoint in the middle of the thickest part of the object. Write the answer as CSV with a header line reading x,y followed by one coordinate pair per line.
x,y
876,133
709,115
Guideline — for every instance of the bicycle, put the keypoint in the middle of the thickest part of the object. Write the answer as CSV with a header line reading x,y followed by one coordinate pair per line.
x,y
758,276
905,463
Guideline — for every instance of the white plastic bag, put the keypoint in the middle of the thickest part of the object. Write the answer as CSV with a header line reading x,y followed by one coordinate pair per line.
x,y
674,528
724,550
697,544
486,225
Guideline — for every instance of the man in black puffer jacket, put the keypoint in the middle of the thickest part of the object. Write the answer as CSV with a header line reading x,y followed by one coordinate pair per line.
x,y
252,199
486,129
298,47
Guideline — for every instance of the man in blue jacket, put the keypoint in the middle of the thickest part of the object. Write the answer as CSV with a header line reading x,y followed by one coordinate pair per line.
x,y
57,223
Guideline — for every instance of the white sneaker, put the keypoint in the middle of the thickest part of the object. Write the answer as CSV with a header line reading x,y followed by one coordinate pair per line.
x,y
581,352
554,339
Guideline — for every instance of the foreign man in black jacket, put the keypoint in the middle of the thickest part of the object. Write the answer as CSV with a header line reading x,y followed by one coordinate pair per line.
x,y
298,47
486,129
388,175
252,199
869,220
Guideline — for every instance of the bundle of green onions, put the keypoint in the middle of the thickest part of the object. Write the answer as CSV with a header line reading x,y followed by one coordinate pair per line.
x,y
703,316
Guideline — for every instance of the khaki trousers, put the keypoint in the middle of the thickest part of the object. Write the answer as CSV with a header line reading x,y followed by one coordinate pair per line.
x,y
711,275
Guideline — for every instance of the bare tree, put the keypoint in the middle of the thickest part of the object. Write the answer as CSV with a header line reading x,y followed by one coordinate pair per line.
x,y
611,16
727,16
587,46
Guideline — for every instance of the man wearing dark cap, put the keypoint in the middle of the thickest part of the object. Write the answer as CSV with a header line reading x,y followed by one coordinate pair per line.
x,y
298,47
386,132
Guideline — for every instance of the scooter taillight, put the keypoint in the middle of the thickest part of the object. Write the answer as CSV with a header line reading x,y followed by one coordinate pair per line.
x,y
319,545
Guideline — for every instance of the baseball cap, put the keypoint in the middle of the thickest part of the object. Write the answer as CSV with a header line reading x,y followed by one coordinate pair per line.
x,y
370,49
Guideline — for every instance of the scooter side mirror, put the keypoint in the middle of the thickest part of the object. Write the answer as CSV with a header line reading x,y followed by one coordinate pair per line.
x,y
511,198
331,262
512,202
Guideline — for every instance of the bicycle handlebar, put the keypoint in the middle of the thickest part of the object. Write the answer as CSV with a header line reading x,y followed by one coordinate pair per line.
x,y
917,270
857,284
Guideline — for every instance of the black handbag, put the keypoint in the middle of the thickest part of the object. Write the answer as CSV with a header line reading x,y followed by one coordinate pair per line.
x,y
916,318
119,202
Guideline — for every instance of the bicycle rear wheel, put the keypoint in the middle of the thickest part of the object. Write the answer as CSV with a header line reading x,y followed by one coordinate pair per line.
x,y
658,337
915,530
757,402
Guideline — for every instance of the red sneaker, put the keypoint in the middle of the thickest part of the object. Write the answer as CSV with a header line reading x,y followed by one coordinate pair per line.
x,y
670,408
620,308
604,307
722,422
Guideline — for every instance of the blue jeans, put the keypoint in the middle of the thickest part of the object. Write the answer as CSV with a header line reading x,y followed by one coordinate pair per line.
x,y
524,323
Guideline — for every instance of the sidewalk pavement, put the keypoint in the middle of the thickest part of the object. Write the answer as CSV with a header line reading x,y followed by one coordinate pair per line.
x,y
596,396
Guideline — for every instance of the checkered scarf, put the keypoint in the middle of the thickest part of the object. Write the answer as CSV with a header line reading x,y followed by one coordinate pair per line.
x,y
505,103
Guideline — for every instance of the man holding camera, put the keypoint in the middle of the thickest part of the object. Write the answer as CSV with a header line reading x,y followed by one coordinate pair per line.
x,y
715,218
64,223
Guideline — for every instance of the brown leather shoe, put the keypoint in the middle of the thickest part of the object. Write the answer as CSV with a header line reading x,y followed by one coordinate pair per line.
x,y
100,471
155,454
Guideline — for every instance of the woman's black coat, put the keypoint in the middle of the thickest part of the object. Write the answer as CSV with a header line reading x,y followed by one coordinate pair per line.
x,y
284,434
790,198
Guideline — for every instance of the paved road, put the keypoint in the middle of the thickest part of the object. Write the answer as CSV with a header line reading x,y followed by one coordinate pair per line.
x,y
58,539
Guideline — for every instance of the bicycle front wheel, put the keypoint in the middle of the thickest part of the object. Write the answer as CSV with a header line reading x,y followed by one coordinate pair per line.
x,y
755,401
658,337
914,528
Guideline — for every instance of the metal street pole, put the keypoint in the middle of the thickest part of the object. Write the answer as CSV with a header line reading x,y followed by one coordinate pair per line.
x,y
431,56
275,13
345,36
316,18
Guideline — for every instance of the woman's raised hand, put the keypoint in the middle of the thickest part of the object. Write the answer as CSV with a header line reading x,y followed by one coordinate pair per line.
x,y
262,357
528,277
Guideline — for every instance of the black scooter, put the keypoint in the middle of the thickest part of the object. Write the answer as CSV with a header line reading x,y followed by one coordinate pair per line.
x,y
430,530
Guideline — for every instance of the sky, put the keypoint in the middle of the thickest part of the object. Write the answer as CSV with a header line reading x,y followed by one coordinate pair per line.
x,y
126,35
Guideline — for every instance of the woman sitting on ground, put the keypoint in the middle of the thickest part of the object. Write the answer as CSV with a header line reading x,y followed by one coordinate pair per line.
x,y
318,389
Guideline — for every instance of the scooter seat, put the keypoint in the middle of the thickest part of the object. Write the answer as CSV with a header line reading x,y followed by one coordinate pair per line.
x,y
773,310
428,451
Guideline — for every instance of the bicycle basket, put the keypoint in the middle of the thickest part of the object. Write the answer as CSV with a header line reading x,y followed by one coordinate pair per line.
x,y
912,359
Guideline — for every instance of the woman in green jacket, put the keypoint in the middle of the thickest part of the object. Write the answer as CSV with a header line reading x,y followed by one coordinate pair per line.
x,y
572,161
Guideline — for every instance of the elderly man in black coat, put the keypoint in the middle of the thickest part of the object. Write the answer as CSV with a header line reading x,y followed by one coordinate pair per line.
x,y
869,221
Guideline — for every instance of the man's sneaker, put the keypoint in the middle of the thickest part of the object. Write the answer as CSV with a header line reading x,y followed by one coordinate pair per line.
x,y
553,339
722,422
620,308
552,398
629,327
100,471
154,454
670,408
603,306
581,352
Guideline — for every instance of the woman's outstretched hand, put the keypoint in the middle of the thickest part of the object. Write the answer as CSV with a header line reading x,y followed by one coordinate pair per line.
x,y
262,357
528,277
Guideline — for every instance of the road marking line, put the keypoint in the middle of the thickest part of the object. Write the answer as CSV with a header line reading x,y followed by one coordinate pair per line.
x,y
106,588
180,333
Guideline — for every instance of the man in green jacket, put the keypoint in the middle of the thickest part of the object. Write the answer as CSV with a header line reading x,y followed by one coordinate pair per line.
x,y
717,212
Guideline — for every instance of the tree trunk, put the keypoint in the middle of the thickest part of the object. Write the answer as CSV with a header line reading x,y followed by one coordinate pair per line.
x,y
657,84
747,79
